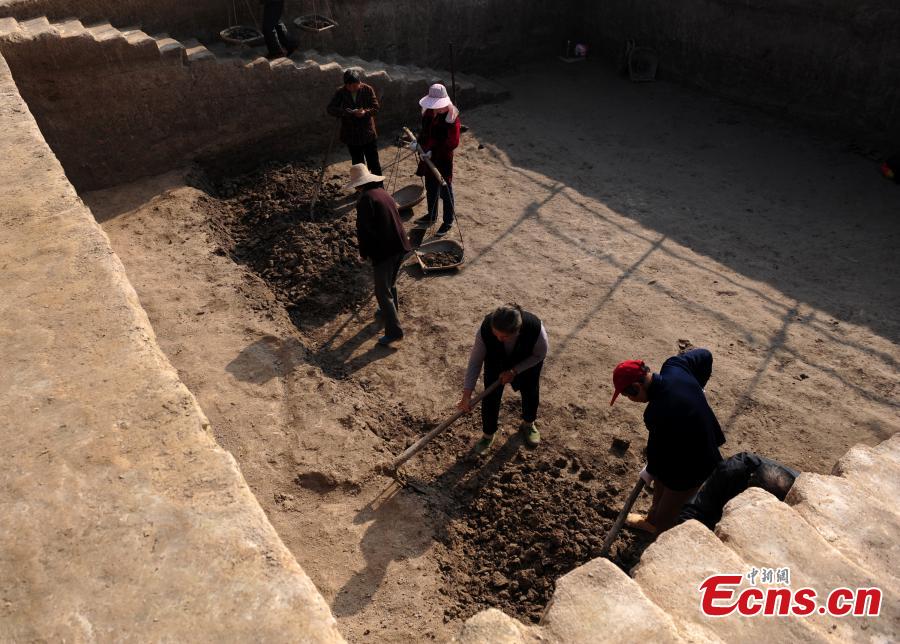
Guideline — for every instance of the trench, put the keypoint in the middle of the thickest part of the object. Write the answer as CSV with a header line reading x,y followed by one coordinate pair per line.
x,y
505,526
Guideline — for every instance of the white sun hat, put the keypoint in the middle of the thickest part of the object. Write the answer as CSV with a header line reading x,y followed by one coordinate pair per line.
x,y
360,176
436,99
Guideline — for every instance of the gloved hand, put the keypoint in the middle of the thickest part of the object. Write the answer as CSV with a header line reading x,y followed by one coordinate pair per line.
x,y
413,145
426,155
647,476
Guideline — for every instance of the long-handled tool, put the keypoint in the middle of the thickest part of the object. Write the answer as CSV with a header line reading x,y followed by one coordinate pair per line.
x,y
428,163
315,196
621,518
416,447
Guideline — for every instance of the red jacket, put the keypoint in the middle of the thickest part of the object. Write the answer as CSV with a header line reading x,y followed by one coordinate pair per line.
x,y
440,138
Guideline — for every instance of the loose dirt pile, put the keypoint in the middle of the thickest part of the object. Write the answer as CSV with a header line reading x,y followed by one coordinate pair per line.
x,y
442,259
514,521
262,219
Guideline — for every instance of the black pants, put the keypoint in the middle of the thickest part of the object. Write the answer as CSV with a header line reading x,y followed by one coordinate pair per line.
x,y
278,40
432,187
384,275
529,385
367,154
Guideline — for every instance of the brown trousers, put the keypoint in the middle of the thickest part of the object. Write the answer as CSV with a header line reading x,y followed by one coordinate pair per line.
x,y
667,503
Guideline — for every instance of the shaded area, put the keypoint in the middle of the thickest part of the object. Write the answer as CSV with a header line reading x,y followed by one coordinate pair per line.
x,y
811,221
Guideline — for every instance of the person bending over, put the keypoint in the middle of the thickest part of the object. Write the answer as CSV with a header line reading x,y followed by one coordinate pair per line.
x,y
511,344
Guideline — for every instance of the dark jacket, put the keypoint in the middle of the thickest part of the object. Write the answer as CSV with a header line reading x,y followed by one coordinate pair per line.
x,y
441,139
495,359
682,448
355,130
729,478
379,229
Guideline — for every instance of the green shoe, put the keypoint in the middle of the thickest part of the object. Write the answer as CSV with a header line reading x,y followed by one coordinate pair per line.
x,y
530,433
483,444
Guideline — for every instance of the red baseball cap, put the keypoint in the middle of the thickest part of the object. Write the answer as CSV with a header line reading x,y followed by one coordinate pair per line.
x,y
626,374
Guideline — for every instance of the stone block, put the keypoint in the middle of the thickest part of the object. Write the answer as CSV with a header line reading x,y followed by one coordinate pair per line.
x,y
873,470
765,532
670,573
492,626
833,506
597,602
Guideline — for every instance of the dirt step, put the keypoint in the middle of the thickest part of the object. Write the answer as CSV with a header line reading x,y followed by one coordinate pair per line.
x,y
37,28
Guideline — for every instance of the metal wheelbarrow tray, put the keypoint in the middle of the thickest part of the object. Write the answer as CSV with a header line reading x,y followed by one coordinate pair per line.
x,y
439,246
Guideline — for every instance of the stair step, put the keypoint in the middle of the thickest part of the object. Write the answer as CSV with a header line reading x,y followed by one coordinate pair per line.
x,y
169,48
194,51
765,532
136,36
833,505
668,573
104,32
870,469
71,28
599,603
37,28
9,27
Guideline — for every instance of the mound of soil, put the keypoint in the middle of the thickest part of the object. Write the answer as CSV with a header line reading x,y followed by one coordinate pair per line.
x,y
311,262
514,521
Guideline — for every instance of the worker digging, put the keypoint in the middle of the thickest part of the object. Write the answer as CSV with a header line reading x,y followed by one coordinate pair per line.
x,y
683,433
511,344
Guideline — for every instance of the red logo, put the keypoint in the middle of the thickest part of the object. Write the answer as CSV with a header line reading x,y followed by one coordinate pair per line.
x,y
720,596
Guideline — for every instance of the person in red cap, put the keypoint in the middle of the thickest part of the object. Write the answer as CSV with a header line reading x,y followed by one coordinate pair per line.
x,y
684,435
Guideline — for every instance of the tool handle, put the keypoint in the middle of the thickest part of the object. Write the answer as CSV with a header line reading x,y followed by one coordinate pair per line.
x,y
434,170
416,447
621,518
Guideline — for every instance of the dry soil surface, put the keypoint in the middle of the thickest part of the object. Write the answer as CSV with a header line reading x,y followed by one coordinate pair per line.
x,y
635,220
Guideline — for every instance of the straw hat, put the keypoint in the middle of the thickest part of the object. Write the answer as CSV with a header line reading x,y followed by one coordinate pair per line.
x,y
360,176
436,99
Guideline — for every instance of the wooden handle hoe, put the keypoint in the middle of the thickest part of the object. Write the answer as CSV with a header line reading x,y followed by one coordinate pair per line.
x,y
621,518
416,447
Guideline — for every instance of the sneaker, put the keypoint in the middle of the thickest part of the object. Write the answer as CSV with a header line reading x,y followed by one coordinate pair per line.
x,y
530,433
426,220
443,230
483,444
389,340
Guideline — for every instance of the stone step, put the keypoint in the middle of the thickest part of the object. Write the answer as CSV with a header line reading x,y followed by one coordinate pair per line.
x,y
765,532
492,626
875,471
599,603
833,506
670,571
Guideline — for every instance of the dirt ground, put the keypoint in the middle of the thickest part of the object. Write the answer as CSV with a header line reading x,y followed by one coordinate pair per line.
x,y
634,220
